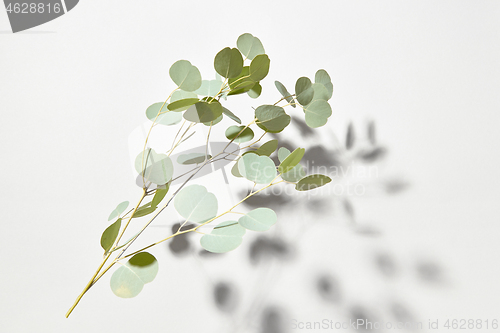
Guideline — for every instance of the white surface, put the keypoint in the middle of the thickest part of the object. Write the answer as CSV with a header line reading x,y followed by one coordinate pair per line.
x,y
72,90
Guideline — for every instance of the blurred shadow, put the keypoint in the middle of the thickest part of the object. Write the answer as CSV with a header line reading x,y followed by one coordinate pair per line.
x,y
180,245
273,320
360,313
266,200
305,131
264,247
385,264
430,272
225,297
328,288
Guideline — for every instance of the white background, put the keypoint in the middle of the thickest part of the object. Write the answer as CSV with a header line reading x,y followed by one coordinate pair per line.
x,y
72,91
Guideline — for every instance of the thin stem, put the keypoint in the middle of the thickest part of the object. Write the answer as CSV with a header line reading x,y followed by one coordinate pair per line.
x,y
284,99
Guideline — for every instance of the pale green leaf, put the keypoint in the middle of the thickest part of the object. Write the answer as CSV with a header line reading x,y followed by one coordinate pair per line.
x,y
259,67
249,46
118,210
153,167
214,122
294,175
317,113
233,132
228,62
186,76
291,160
283,153
225,237
258,169
320,92
203,112
165,118
304,91
109,235
323,78
210,88
181,94
129,279
260,219
272,118
196,204
311,182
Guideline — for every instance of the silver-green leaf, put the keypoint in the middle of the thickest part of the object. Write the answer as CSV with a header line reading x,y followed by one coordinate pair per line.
x,y
186,76
258,169
250,46
165,117
118,210
304,91
153,167
317,113
272,118
228,62
129,279
260,219
239,133
203,112
196,204
225,237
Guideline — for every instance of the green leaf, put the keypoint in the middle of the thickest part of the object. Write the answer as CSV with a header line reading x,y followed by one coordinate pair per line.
x,y
255,91
258,169
181,94
235,171
186,76
165,118
160,193
286,95
272,118
155,168
249,46
214,122
259,67
203,112
225,237
283,153
118,210
231,115
294,175
323,78
291,160
304,91
109,235
320,92
144,210
210,88
182,104
196,204
317,113
129,279
192,158
311,182
267,148
260,219
228,62
241,83
233,131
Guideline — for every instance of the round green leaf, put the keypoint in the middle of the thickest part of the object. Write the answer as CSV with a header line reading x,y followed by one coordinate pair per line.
x,y
231,115
304,91
225,237
286,95
192,158
129,280
182,104
255,91
109,235
235,171
259,67
242,82
291,160
203,112
272,118
317,113
214,122
311,182
323,78
181,94
118,210
249,46
196,204
260,219
186,76
320,92
228,62
209,88
283,153
234,131
165,118
153,167
258,169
